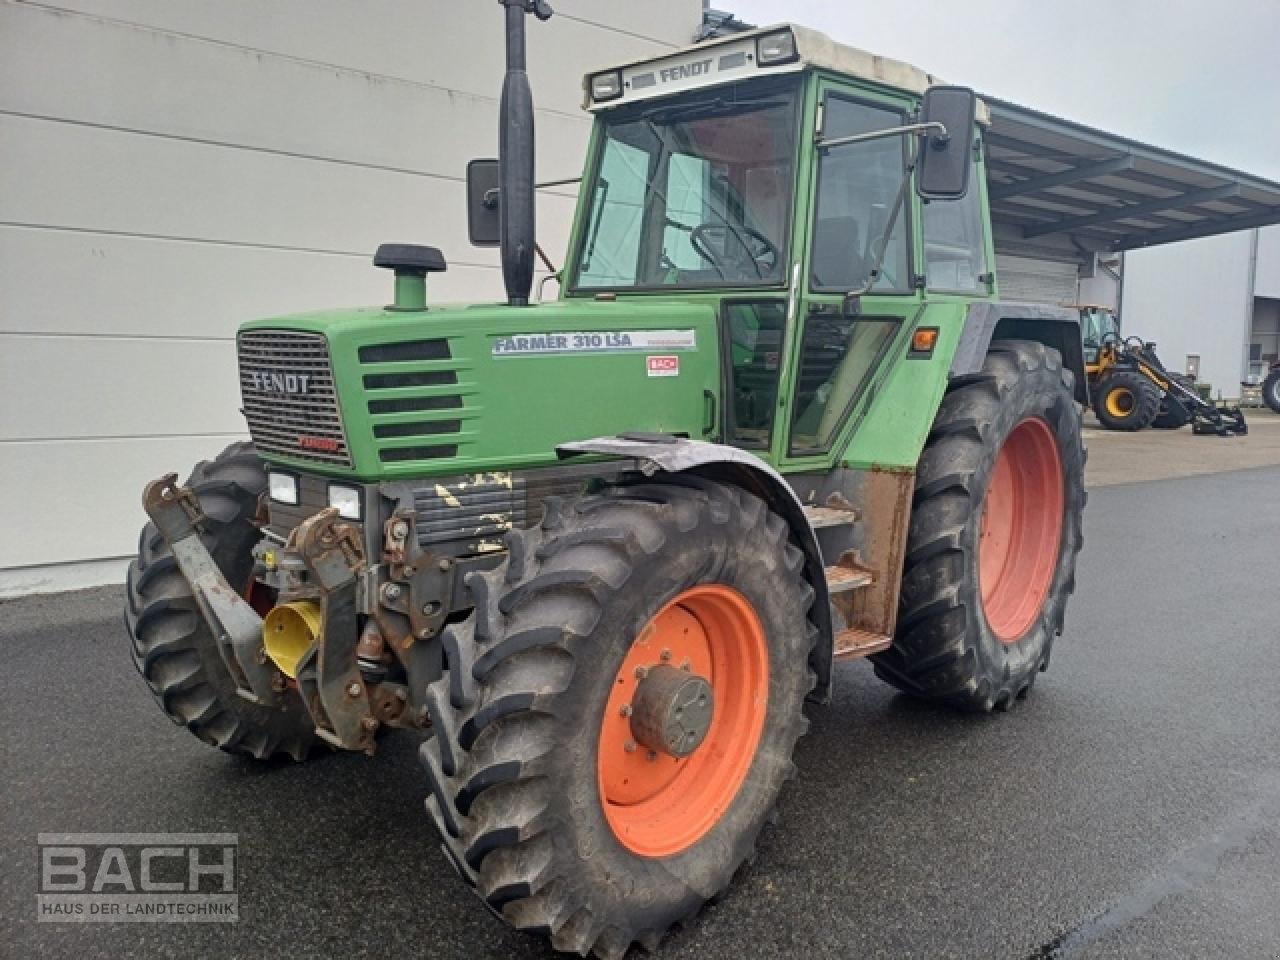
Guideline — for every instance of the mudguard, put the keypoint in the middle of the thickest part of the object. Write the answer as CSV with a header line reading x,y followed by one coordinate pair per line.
x,y
1056,327
660,453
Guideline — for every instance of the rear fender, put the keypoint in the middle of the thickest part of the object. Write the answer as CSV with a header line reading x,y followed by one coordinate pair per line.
x,y
739,468
1055,327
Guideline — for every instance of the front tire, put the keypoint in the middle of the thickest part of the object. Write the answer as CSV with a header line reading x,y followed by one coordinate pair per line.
x,y
994,532
1127,400
172,645
545,801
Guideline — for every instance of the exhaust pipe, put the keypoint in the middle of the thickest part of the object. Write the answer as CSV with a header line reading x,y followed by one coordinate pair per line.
x,y
516,147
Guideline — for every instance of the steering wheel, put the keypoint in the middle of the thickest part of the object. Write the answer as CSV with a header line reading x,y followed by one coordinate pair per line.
x,y
760,250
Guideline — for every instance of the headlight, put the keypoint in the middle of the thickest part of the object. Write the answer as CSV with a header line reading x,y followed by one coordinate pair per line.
x,y
606,86
283,488
346,499
775,48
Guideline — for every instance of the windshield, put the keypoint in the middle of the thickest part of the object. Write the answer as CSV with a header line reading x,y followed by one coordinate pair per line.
x,y
693,192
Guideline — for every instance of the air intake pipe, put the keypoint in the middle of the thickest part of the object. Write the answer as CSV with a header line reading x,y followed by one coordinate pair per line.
x,y
515,143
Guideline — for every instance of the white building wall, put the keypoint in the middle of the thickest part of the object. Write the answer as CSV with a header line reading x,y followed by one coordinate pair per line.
x,y
1267,280
1193,298
172,168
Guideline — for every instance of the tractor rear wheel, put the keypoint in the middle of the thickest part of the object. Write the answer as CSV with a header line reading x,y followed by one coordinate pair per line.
x,y
618,714
994,532
171,644
1271,390
1127,400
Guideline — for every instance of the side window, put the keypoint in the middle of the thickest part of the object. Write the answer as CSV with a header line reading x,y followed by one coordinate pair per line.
x,y
753,332
838,357
612,253
858,187
955,257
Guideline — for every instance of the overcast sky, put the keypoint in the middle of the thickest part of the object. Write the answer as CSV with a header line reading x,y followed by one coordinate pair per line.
x,y
1199,77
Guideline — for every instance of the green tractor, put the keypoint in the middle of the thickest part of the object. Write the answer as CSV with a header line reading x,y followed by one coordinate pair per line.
x,y
600,552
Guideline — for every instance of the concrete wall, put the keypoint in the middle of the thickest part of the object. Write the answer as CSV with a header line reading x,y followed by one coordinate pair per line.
x,y
1267,281
172,168
1193,297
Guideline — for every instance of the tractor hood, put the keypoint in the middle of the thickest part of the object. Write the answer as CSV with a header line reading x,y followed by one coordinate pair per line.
x,y
378,394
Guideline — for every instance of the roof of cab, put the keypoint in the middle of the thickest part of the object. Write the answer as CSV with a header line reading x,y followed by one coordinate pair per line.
x,y
815,51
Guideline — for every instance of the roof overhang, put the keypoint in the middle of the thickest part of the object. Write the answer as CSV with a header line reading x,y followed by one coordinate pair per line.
x,y
1063,190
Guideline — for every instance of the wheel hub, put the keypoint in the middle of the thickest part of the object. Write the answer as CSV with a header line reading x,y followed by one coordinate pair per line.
x,y
671,712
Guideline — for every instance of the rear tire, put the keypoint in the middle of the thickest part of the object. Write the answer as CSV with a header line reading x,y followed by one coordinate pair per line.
x,y
972,644
172,646
521,719
1271,390
1127,401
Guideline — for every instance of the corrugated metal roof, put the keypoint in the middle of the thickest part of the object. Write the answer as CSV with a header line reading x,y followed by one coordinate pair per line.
x,y
1051,180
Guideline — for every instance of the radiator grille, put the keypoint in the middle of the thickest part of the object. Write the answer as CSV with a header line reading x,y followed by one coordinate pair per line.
x,y
290,402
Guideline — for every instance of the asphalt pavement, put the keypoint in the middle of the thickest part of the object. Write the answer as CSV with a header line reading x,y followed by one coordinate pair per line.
x,y
1130,807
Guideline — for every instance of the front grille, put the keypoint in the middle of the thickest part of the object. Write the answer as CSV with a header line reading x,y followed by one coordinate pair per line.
x,y
286,382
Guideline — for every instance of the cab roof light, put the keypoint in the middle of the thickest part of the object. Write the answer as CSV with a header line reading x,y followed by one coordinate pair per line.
x,y
773,49
606,86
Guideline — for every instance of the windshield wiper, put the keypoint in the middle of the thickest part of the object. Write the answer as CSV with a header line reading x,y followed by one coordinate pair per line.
x,y
678,112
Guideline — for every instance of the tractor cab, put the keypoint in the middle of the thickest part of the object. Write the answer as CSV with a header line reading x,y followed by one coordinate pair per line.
x,y
1098,326
812,197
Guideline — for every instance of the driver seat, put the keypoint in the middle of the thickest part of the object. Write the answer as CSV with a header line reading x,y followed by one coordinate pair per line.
x,y
837,261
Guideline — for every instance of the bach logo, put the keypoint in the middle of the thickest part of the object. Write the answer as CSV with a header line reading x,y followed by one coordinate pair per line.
x,y
138,877
666,366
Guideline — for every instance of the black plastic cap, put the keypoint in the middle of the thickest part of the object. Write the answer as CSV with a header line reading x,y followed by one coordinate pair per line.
x,y
409,258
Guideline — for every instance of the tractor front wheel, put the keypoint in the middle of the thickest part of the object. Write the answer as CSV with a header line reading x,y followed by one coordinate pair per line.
x,y
618,714
1127,400
994,532
172,646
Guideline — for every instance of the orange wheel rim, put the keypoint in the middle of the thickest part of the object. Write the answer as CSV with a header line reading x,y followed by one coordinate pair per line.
x,y
657,804
1021,529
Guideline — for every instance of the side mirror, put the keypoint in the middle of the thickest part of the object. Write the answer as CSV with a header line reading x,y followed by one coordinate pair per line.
x,y
484,225
943,170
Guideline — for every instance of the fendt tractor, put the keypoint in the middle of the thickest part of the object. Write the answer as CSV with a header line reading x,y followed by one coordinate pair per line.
x,y
1130,389
600,551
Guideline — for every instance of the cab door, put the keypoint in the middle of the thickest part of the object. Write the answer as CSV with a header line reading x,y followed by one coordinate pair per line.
x,y
859,213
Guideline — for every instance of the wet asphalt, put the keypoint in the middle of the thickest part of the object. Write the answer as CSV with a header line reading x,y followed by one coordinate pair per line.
x,y
1129,808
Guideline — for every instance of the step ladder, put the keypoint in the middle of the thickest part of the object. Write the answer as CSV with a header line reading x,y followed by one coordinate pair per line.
x,y
843,578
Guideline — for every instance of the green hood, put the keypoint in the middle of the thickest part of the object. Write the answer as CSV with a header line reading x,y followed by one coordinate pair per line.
x,y
466,389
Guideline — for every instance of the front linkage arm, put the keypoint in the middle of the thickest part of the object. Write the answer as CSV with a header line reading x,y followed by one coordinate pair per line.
x,y
236,625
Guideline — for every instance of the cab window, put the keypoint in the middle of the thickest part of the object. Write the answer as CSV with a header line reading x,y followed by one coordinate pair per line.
x,y
838,356
955,258
753,344
859,184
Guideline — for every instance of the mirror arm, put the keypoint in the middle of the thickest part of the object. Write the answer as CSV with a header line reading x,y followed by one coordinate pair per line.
x,y
491,195
933,125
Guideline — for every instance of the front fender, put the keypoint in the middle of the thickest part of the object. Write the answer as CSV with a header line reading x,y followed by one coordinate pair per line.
x,y
658,453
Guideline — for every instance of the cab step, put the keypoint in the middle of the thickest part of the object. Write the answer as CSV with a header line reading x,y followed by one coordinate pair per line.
x,y
853,643
824,517
842,579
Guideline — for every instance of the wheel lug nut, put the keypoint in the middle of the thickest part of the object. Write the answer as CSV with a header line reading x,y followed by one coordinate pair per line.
x,y
666,656
629,746
641,672
625,710
651,756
